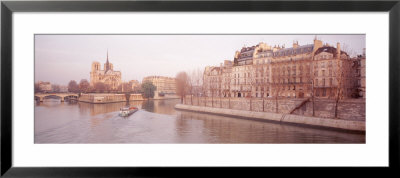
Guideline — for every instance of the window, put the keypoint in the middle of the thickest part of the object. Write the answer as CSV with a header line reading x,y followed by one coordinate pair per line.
x,y
294,70
316,82
300,70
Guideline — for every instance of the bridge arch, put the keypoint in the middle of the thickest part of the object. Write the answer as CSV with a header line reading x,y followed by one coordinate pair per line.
x,y
62,96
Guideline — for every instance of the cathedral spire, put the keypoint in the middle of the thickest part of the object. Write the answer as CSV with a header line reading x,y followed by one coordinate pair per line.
x,y
107,67
107,56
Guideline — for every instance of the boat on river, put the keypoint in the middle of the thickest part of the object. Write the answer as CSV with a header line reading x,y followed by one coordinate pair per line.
x,y
127,111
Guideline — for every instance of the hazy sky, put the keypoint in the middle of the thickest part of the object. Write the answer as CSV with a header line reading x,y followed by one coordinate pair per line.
x,y
61,58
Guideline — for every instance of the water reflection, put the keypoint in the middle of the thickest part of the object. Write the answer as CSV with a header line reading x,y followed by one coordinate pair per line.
x,y
158,122
220,129
161,106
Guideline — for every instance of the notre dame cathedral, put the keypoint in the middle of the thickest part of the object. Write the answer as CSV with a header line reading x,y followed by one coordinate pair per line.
x,y
107,76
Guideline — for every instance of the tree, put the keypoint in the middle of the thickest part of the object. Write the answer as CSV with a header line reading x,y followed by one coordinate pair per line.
x,y
341,69
100,87
126,87
148,89
195,82
55,88
37,88
212,83
276,85
198,80
84,85
277,92
73,86
182,84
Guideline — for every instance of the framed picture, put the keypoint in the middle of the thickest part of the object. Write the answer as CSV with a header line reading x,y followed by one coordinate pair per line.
x,y
102,88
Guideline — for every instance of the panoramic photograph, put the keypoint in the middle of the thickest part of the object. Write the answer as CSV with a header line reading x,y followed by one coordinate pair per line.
x,y
200,89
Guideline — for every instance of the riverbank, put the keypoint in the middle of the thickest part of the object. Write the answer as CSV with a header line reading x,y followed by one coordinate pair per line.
x,y
350,125
349,109
104,98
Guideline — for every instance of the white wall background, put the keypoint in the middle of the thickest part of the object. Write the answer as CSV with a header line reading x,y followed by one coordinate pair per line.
x,y
373,153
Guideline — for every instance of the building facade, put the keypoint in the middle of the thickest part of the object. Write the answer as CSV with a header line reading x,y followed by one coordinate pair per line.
x,y
301,71
360,73
45,86
135,85
165,85
107,76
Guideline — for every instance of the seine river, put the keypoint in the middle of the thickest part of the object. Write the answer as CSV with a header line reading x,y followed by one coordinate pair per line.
x,y
158,122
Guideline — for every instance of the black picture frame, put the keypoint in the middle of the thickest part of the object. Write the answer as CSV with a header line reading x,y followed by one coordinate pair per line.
x,y
8,7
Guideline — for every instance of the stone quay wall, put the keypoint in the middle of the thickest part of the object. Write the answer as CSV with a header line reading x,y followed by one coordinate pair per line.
x,y
350,109
279,117
102,98
166,96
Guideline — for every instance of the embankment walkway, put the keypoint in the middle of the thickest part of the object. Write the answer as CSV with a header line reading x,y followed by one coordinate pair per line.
x,y
279,117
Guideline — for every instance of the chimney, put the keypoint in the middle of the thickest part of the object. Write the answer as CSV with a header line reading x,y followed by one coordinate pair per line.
x,y
237,53
317,44
338,50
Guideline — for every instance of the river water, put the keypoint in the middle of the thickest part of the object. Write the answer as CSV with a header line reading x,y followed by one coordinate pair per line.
x,y
158,122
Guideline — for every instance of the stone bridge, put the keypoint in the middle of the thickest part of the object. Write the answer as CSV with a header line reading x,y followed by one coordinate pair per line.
x,y
62,96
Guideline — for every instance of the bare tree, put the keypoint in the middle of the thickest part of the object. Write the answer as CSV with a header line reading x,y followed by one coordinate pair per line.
x,y
125,87
276,85
37,88
210,84
191,82
182,84
277,91
198,80
100,87
73,86
339,78
84,85
312,85
219,83
264,84
212,87
55,88
205,87
341,71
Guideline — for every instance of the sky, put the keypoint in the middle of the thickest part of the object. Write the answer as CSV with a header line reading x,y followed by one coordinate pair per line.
x,y
62,58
